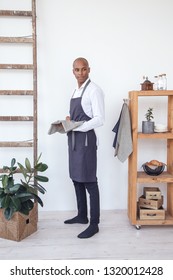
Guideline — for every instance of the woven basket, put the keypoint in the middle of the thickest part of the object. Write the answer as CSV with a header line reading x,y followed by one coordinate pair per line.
x,y
19,226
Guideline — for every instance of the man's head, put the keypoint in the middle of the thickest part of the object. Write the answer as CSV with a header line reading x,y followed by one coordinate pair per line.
x,y
81,70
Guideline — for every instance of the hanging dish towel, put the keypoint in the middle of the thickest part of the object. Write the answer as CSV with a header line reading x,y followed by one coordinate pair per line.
x,y
123,136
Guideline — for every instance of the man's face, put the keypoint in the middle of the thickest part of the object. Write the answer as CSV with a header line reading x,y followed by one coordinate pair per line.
x,y
81,71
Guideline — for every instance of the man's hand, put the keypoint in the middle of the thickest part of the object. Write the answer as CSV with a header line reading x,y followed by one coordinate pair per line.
x,y
67,118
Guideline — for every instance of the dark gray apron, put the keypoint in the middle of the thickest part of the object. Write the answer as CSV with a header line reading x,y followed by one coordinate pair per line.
x,y
82,146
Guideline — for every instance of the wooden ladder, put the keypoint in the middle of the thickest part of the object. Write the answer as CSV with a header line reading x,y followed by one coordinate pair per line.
x,y
22,67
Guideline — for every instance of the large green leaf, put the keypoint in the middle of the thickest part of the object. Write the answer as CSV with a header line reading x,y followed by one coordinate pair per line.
x,y
4,180
23,199
22,169
8,213
29,204
1,199
41,167
16,203
5,201
26,207
24,211
10,182
13,161
12,168
28,165
15,188
23,194
31,190
41,178
39,188
22,189
38,199
38,159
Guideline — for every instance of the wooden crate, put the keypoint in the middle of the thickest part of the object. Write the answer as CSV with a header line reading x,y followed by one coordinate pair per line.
x,y
150,203
151,214
19,226
152,193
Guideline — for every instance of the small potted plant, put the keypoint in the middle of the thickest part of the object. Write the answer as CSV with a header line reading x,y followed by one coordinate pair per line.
x,y
148,125
21,198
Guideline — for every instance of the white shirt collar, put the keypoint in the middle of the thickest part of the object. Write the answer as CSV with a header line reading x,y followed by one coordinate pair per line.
x,y
82,86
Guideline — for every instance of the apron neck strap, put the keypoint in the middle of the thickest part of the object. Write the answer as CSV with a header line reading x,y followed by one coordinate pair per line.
x,y
85,87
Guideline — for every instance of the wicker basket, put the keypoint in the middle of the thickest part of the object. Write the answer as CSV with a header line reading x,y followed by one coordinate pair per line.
x,y
19,226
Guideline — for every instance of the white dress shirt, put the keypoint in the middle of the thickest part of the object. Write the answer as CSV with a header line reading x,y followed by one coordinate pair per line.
x,y
93,106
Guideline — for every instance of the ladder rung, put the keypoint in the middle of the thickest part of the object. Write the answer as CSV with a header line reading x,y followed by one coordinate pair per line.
x,y
16,171
7,144
16,66
16,40
16,118
2,171
16,92
15,13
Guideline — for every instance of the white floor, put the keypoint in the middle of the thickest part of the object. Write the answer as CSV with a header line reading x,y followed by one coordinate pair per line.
x,y
117,239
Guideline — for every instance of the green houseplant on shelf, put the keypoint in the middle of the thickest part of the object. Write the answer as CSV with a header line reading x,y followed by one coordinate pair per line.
x,y
21,196
148,125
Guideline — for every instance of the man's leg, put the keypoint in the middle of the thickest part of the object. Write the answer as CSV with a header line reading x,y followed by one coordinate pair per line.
x,y
81,205
93,228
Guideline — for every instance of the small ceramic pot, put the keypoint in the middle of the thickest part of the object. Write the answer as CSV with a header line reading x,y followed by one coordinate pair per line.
x,y
147,127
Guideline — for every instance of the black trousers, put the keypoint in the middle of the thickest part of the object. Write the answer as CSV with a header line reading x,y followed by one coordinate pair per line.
x,y
93,190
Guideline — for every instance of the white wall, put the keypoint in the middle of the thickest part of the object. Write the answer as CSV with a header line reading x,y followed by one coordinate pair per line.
x,y
123,40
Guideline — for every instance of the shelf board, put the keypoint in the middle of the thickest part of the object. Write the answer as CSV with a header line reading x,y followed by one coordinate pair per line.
x,y
164,177
167,221
152,92
160,135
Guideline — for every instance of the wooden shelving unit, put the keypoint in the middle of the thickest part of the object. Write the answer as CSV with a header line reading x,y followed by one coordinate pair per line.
x,y
134,176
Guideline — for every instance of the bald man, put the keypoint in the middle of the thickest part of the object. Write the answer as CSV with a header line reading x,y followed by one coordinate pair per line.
x,y
87,104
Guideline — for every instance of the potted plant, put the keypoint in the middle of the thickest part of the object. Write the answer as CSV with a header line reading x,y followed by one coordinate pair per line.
x,y
22,197
148,125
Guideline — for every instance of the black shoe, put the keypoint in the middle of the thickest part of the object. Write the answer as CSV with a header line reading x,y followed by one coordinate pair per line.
x,y
89,232
77,220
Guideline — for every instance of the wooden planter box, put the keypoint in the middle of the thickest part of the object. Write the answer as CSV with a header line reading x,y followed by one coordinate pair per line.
x,y
19,226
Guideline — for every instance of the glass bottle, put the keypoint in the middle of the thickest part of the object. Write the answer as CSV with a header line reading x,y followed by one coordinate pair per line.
x,y
155,82
160,82
164,79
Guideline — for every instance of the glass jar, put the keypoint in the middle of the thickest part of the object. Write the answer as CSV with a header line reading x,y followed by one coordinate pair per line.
x,y
160,82
164,80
